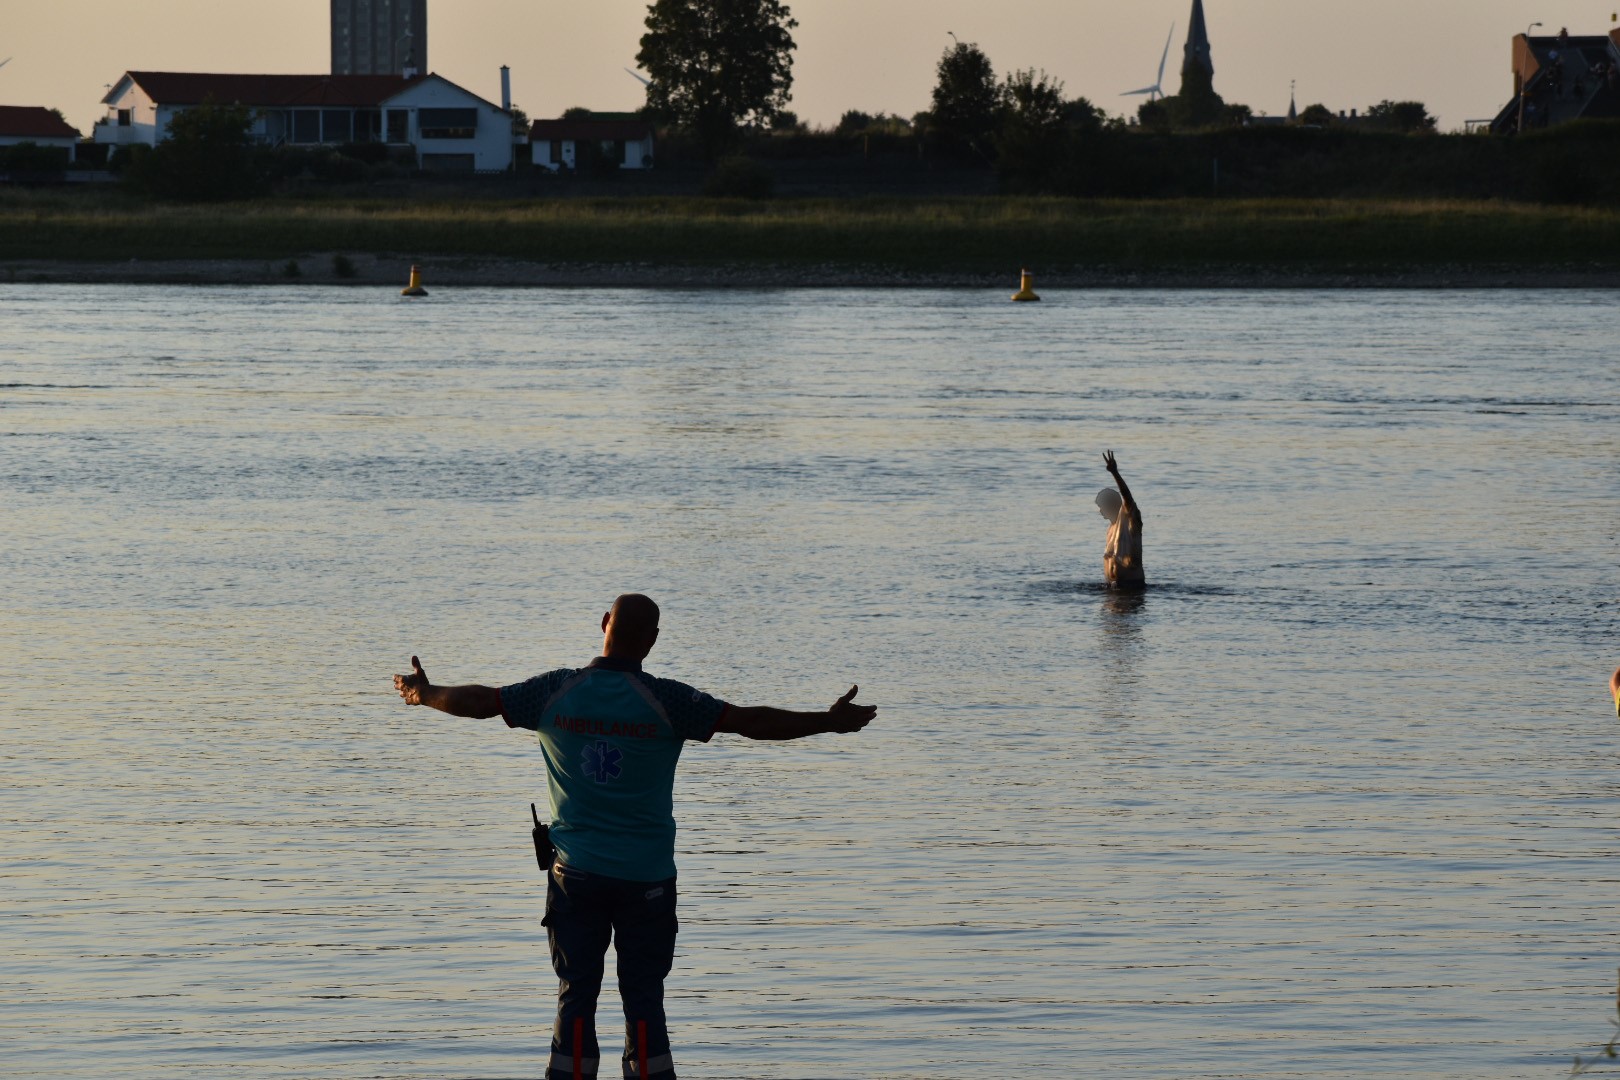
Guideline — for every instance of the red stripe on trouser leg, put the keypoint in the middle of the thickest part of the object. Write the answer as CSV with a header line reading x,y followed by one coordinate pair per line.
x,y
641,1042
579,1042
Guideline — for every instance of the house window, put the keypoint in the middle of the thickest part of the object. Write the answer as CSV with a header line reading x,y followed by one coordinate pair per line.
x,y
447,123
337,126
399,124
125,117
367,125
306,126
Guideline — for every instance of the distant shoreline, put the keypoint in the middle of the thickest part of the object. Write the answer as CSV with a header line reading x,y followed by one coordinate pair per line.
x,y
370,271
858,243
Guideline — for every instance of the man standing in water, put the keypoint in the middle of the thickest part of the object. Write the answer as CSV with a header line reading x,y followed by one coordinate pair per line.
x,y
1122,554
611,736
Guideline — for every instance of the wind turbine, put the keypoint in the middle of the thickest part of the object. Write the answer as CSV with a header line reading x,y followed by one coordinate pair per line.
x,y
638,78
4,62
1155,92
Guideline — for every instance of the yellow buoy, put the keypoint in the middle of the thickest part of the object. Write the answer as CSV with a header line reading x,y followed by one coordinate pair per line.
x,y
1026,287
415,287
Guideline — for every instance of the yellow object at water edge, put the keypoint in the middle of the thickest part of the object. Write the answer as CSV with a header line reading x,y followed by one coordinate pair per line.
x,y
1026,287
415,287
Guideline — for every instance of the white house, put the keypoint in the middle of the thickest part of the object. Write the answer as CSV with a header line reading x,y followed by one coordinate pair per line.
x,y
451,129
37,125
556,144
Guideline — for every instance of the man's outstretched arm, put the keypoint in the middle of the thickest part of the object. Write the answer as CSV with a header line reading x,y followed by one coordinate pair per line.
x,y
475,702
764,722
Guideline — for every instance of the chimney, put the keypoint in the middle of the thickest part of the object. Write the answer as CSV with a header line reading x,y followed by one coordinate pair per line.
x,y
506,88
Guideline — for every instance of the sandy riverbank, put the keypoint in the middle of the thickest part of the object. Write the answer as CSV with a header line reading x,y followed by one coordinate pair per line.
x,y
375,271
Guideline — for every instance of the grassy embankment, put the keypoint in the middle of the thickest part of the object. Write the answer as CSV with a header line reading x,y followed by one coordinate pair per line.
x,y
916,235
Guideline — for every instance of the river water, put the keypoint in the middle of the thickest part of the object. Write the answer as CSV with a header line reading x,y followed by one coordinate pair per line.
x,y
1337,796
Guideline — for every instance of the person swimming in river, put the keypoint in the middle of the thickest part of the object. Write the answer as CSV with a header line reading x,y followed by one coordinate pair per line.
x,y
1122,554
1614,689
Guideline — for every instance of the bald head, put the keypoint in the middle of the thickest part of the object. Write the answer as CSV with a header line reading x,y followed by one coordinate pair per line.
x,y
631,627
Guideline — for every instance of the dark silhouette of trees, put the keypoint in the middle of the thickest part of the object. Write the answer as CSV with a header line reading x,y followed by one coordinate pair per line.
x,y
1032,142
716,66
967,101
1317,116
1409,117
207,157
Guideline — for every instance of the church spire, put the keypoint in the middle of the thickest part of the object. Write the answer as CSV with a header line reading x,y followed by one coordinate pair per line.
x,y
1197,50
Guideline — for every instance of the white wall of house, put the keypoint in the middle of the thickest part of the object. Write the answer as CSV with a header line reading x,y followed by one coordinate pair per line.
x,y
132,117
637,154
490,141
540,152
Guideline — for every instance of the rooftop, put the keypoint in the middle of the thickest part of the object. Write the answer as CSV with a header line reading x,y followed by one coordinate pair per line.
x,y
34,121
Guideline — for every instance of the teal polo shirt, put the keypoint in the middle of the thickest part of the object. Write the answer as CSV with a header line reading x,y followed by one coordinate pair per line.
x,y
612,735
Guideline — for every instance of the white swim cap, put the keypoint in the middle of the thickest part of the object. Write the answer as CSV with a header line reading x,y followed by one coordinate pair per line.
x,y
1108,503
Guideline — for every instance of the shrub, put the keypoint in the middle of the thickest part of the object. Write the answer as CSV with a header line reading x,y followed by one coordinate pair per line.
x,y
343,266
740,178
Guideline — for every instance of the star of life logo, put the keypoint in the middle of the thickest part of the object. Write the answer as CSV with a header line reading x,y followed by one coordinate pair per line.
x,y
602,761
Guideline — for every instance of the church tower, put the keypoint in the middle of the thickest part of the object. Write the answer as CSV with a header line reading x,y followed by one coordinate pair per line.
x,y
1196,54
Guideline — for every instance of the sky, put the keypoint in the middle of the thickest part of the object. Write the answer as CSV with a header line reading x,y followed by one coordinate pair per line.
x,y
873,55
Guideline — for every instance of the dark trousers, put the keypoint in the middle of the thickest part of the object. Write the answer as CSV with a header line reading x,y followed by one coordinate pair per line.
x,y
583,911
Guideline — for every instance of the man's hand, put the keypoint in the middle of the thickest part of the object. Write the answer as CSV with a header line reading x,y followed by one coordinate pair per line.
x,y
846,716
412,686
1108,460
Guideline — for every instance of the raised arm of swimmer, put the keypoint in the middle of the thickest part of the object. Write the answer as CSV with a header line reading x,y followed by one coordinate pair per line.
x,y
1124,488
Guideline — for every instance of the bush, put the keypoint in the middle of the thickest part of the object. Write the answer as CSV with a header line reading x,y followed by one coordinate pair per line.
x,y
372,153
31,158
740,178
206,158
343,266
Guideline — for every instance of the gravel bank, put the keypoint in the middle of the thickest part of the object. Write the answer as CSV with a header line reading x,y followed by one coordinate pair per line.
x,y
369,270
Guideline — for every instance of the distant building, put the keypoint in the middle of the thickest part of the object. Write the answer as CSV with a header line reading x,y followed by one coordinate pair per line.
x,y
379,37
38,125
1560,78
1196,53
618,139
449,128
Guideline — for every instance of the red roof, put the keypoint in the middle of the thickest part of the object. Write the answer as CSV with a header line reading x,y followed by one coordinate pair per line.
x,y
585,129
191,88
34,122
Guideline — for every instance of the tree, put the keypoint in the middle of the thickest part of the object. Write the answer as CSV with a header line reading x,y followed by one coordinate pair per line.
x,y
853,122
520,123
1316,116
717,65
1154,116
1081,116
1410,117
1033,139
966,100
207,157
